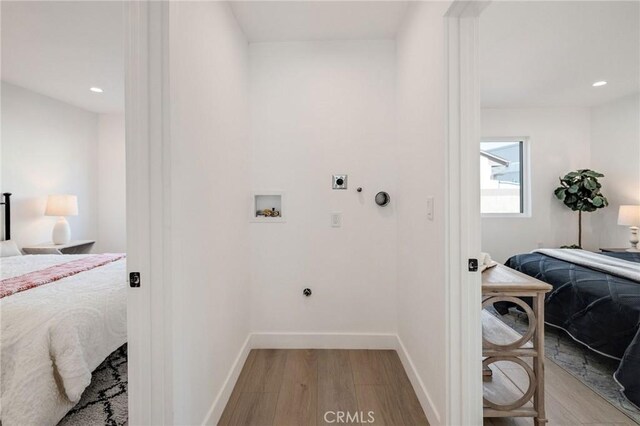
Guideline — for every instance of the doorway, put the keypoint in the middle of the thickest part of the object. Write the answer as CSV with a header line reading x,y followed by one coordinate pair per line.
x,y
64,163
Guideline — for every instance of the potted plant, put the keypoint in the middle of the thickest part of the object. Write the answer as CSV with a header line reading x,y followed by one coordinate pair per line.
x,y
580,191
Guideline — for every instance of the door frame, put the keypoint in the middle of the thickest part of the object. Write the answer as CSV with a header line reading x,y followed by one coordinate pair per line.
x,y
463,237
149,234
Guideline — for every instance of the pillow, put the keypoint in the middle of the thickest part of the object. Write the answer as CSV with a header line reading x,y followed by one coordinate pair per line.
x,y
9,248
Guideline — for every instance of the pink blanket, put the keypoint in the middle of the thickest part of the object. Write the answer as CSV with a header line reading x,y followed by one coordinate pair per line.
x,y
48,275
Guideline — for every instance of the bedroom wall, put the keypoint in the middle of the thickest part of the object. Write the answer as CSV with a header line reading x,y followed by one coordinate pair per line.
x,y
112,225
559,141
210,183
615,151
421,300
317,109
48,147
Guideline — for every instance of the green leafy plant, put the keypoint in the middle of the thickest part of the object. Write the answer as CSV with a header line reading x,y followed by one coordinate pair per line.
x,y
580,191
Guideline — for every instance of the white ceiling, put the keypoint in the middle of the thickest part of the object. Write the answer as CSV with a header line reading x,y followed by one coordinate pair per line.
x,y
533,54
538,54
61,49
264,21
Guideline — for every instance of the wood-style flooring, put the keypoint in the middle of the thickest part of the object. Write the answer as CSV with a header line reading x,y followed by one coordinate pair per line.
x,y
568,401
312,387
297,387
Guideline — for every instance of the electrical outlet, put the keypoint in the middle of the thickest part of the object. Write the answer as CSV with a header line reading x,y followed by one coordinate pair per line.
x,y
339,181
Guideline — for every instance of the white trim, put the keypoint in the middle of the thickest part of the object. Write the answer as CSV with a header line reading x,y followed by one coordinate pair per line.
x,y
288,340
506,216
221,400
462,240
148,212
418,385
504,139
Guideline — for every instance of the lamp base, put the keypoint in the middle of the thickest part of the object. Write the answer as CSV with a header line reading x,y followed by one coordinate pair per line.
x,y
633,239
61,232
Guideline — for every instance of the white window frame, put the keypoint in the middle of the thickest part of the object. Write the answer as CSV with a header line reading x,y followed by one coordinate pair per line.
x,y
526,177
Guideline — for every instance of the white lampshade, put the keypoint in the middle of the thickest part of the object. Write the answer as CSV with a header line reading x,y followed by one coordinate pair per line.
x,y
629,216
62,205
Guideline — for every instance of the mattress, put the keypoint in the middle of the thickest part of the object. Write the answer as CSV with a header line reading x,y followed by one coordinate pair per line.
x,y
598,309
53,336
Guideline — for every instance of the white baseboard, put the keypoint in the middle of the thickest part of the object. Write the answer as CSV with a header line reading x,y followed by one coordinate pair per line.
x,y
218,405
322,341
418,385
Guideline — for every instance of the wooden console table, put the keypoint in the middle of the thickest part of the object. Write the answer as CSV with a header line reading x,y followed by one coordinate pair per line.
x,y
501,343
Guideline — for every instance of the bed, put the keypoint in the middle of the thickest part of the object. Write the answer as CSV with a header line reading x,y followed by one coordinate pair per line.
x,y
60,317
598,305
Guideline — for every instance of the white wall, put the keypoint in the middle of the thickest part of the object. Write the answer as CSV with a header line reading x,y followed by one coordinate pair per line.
x,y
559,140
317,109
48,147
112,229
210,184
51,147
421,168
615,151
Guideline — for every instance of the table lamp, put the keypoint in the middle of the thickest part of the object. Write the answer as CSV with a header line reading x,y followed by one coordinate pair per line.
x,y
61,206
630,216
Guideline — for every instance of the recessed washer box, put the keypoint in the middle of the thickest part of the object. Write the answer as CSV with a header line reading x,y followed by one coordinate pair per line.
x,y
267,207
339,181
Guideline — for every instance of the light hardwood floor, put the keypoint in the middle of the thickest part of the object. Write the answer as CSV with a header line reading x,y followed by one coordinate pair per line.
x,y
568,401
297,387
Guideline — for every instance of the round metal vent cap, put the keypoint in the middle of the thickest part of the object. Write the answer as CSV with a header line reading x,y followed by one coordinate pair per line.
x,y
382,198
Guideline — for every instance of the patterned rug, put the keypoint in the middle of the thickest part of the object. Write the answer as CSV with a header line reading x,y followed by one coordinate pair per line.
x,y
592,369
104,402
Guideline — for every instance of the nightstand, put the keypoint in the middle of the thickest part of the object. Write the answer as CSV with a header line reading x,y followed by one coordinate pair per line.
x,y
73,247
614,250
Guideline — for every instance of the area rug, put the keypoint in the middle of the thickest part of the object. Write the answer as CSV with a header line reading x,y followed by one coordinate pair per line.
x,y
592,369
104,402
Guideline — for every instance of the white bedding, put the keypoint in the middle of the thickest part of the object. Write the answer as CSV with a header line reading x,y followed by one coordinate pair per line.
x,y
599,262
53,336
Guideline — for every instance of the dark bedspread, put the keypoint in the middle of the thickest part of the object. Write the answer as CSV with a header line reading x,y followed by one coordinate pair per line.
x,y
600,310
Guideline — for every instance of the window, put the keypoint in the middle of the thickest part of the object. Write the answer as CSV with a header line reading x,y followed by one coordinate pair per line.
x,y
503,182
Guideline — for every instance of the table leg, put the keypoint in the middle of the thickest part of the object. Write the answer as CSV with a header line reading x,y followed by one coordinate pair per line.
x,y
538,361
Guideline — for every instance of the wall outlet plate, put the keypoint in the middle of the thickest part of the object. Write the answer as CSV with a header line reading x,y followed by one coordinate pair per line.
x,y
430,208
339,181
336,219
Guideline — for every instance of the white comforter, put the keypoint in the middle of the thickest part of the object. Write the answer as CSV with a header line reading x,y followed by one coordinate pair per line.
x,y
55,335
599,262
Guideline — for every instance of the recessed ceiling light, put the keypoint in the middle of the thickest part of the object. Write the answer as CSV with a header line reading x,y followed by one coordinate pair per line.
x,y
599,83
96,90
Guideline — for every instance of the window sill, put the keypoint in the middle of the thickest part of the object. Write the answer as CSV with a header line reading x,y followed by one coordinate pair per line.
x,y
505,216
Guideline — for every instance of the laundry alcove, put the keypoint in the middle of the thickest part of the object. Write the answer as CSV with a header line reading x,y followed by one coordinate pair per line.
x,y
285,95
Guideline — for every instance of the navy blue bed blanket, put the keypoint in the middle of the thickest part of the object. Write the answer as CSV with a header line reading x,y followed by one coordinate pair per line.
x,y
600,310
